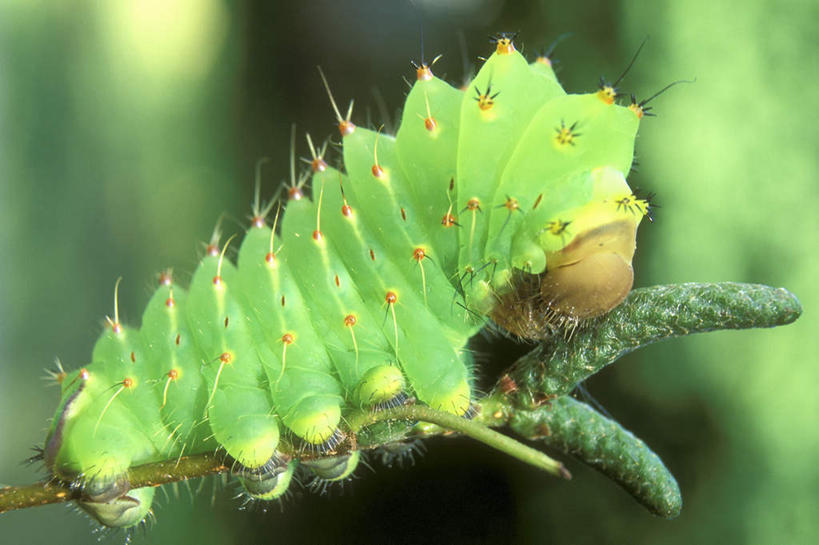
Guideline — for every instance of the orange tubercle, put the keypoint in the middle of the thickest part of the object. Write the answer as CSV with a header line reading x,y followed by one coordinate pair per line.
x,y
345,127
295,193
423,73
318,165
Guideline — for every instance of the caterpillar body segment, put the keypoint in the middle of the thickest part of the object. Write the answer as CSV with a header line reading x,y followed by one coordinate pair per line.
x,y
426,146
506,201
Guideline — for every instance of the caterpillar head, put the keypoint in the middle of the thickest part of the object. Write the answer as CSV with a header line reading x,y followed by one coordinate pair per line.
x,y
588,270
590,277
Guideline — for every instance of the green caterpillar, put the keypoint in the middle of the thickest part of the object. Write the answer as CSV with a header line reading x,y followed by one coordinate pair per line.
x,y
507,200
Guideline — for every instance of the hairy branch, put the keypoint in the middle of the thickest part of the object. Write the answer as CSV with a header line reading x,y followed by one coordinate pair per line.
x,y
201,465
648,315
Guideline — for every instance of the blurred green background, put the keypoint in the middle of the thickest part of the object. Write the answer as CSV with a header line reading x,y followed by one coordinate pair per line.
x,y
127,128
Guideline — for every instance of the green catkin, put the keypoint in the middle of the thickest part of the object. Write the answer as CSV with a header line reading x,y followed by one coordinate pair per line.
x,y
579,430
367,294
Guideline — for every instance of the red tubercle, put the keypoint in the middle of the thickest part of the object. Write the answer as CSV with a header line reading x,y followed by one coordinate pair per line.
x,y
169,302
173,374
226,358
127,382
288,338
212,250
418,254
257,222
377,171
317,236
346,210
350,320
473,204
217,281
116,327
391,297
448,220
430,124
270,258
84,374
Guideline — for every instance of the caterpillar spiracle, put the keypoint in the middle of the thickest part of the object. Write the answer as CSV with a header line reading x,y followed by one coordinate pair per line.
x,y
504,201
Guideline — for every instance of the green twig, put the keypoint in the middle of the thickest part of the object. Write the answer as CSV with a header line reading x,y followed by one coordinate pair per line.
x,y
476,431
577,429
